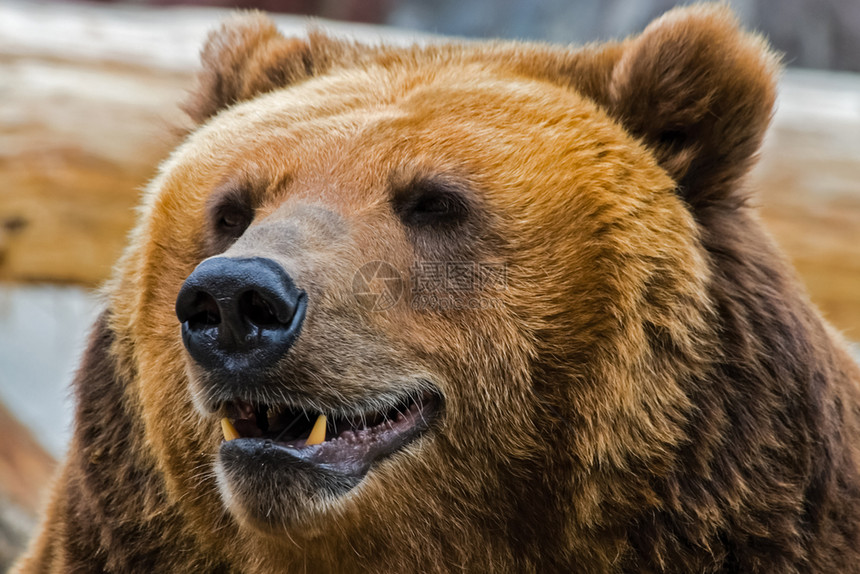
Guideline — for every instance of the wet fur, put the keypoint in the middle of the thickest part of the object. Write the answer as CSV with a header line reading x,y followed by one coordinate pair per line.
x,y
656,394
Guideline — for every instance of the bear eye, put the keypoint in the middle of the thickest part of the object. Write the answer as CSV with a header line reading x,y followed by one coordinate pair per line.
x,y
233,221
229,216
435,205
431,203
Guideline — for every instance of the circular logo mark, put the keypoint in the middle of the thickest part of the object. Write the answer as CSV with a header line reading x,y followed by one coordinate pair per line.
x,y
377,286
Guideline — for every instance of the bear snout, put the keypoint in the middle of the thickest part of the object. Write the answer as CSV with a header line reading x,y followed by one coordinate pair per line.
x,y
239,314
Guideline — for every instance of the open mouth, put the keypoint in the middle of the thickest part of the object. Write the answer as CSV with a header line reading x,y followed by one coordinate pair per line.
x,y
348,444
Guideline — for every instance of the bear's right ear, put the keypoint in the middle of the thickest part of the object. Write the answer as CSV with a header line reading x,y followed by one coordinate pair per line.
x,y
247,56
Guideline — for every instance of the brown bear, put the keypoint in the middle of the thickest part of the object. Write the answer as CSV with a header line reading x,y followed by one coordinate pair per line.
x,y
462,308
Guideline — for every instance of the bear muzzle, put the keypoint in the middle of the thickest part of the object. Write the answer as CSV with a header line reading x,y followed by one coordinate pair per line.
x,y
240,317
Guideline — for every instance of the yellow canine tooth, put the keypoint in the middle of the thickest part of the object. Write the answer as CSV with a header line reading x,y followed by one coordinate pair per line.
x,y
229,430
318,432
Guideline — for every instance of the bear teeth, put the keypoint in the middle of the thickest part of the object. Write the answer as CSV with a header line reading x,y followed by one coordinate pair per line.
x,y
289,425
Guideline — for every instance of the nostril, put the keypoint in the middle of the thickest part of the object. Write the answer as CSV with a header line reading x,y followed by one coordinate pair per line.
x,y
258,310
204,311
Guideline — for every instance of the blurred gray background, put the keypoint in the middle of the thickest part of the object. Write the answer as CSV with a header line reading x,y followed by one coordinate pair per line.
x,y
812,33
821,34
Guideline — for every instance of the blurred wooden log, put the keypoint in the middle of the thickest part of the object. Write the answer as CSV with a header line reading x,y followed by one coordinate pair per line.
x,y
25,467
89,106
25,471
77,141
85,116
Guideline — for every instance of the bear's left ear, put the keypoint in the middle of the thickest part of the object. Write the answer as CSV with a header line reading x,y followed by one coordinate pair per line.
x,y
700,93
247,56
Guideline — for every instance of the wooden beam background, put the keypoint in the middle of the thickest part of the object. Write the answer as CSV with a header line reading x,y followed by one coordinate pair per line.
x,y
88,107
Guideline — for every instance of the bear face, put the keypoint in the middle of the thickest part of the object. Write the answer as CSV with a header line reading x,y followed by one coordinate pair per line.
x,y
520,283
429,191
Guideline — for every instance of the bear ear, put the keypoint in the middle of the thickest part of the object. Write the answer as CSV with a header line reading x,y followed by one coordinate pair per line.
x,y
700,93
247,56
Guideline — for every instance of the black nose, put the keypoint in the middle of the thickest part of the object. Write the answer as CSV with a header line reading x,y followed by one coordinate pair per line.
x,y
239,314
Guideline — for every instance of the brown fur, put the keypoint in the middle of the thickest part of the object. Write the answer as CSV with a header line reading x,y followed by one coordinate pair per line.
x,y
652,393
